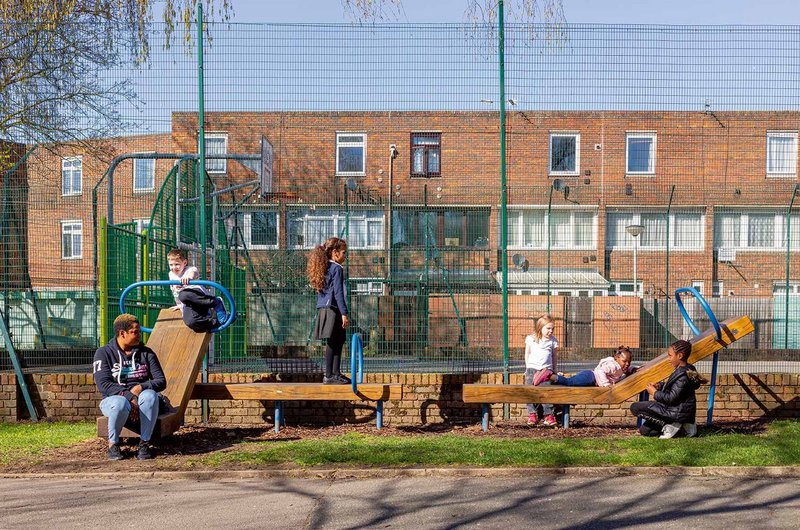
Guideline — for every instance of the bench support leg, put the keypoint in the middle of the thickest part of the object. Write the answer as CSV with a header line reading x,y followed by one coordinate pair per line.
x,y
379,414
565,410
487,407
278,415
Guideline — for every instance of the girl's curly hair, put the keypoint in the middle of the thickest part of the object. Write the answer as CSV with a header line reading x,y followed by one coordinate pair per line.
x,y
319,260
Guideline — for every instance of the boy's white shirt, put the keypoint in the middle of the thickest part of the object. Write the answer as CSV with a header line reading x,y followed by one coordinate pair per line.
x,y
539,353
189,272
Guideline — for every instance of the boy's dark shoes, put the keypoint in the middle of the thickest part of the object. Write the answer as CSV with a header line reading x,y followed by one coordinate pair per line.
x,y
145,451
344,379
114,453
333,380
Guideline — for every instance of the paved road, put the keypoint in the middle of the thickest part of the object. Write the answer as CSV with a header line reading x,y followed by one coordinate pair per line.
x,y
430,502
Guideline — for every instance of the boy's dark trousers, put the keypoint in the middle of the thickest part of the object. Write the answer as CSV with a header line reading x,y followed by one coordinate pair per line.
x,y
198,312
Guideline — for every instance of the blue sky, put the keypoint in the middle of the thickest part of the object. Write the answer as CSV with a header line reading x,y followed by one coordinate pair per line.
x,y
597,11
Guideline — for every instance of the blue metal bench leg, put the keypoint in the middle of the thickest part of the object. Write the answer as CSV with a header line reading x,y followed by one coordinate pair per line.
x,y
487,407
278,415
379,414
565,409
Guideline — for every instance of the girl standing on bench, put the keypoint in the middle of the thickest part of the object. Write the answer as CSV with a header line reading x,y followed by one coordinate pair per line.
x,y
674,406
609,371
326,276
540,347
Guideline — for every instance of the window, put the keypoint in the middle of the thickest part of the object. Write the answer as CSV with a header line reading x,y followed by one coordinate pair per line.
x,y
426,152
71,239
763,230
640,153
571,229
144,174
308,228
259,230
782,154
442,228
71,175
624,288
362,286
685,230
142,225
716,289
565,153
216,144
779,288
351,154
699,285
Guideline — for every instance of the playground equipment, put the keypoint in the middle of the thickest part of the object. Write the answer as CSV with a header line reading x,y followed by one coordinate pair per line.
x,y
704,344
180,352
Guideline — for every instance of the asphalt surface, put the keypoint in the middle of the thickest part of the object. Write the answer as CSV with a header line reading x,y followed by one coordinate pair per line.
x,y
641,501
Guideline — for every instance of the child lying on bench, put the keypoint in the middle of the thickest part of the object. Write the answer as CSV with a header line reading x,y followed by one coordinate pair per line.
x,y
608,371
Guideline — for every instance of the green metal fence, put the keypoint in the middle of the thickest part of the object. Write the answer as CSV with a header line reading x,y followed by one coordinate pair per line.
x,y
638,159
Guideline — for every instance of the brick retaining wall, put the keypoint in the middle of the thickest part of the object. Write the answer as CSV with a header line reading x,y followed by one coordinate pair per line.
x,y
427,398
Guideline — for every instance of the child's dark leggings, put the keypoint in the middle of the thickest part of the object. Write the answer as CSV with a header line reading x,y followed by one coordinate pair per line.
x,y
333,350
198,310
652,423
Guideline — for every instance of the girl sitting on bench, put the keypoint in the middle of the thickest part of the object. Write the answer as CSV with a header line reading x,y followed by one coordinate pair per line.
x,y
609,371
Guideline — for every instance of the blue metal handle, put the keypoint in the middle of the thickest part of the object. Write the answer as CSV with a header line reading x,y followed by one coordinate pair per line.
x,y
206,283
705,307
356,356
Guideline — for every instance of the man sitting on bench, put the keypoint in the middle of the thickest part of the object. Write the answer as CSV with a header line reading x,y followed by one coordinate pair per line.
x,y
129,377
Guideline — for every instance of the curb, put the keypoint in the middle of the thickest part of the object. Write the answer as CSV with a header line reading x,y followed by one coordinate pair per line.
x,y
454,472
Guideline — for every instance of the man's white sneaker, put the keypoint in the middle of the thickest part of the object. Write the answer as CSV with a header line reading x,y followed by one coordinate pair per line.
x,y
670,430
690,429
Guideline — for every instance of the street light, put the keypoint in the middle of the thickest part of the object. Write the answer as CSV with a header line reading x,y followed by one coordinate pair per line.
x,y
635,231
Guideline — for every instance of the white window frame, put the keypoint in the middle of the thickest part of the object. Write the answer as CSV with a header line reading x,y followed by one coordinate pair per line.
x,y
794,288
514,245
793,154
136,162
71,192
699,285
637,219
563,134
142,224
364,287
211,166
72,223
652,162
716,289
247,230
778,237
362,144
614,288
339,219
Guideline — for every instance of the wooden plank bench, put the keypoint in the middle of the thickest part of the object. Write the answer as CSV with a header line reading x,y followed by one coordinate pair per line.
x,y
657,369
180,352
280,392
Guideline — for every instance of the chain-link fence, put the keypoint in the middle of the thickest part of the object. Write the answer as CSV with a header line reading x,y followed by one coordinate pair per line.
x,y
638,159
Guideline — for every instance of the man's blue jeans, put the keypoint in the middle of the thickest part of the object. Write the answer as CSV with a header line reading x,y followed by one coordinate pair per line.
x,y
582,378
118,408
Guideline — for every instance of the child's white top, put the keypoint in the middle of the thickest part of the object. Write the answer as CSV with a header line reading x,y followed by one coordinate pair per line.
x,y
608,372
189,272
539,353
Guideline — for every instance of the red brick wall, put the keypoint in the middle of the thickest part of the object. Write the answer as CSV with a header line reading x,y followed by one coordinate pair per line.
x,y
427,398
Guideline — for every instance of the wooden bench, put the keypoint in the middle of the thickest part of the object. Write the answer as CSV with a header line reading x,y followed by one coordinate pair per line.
x,y
280,392
657,369
180,352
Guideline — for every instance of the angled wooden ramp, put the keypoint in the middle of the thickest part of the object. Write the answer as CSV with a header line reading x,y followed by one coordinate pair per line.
x,y
180,352
657,369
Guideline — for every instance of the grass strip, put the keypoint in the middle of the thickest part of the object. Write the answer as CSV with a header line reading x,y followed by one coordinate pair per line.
x,y
27,440
779,446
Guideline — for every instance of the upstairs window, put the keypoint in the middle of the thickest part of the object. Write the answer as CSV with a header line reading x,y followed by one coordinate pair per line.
x,y
216,144
144,174
782,154
686,230
640,153
570,229
762,230
71,175
565,152
308,228
426,152
441,228
259,230
351,154
71,239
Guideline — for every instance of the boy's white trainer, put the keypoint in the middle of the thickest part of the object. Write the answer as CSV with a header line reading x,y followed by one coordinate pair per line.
x,y
670,430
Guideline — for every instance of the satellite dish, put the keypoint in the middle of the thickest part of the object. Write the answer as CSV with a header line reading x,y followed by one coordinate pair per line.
x,y
518,259
351,184
558,184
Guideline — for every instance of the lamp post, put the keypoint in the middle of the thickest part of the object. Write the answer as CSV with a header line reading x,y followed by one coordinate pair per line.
x,y
635,231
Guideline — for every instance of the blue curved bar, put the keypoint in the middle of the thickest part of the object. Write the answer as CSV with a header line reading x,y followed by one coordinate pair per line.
x,y
356,356
705,307
205,283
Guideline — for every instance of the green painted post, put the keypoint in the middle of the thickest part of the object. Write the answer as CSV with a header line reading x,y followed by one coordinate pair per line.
x,y
201,173
666,279
501,56
549,231
788,249
102,278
